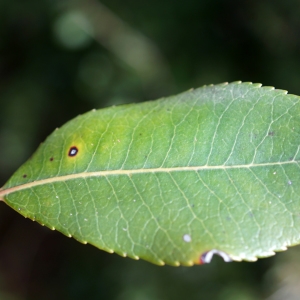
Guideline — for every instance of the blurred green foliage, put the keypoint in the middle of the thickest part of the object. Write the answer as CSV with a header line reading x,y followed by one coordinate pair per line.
x,y
62,58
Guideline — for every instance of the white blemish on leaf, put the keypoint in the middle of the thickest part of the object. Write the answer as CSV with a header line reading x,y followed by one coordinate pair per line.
x,y
187,238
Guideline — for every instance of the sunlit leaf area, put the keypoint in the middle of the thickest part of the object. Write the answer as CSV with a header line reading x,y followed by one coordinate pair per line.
x,y
60,59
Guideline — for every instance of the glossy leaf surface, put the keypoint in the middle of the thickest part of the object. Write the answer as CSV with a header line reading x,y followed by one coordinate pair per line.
x,y
216,168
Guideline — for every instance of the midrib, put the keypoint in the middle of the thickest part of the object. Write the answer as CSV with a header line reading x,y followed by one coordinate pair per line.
x,y
4,192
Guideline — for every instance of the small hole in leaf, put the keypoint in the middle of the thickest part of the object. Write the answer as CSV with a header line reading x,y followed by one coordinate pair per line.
x,y
24,176
73,151
51,159
206,257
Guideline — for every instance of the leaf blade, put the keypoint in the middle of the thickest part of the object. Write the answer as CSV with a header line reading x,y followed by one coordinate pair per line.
x,y
172,179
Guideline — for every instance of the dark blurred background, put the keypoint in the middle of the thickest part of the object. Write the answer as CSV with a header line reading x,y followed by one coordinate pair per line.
x,y
61,58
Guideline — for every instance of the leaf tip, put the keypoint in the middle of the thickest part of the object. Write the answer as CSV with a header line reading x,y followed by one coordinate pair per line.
x,y
189,263
284,92
224,83
272,88
161,263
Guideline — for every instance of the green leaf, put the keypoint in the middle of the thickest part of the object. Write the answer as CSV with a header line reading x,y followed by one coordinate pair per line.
x,y
211,170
